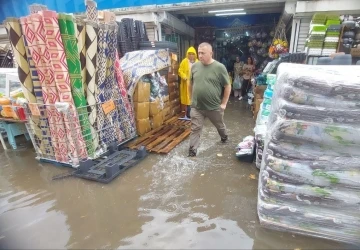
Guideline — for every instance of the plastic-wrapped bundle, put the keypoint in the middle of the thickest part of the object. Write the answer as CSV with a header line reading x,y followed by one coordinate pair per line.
x,y
262,118
310,172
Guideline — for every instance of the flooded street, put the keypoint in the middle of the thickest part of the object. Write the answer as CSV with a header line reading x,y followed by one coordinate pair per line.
x,y
167,201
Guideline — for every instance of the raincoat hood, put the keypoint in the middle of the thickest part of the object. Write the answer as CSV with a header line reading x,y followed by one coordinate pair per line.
x,y
192,50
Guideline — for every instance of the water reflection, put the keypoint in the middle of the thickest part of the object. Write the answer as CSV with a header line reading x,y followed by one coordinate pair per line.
x,y
161,233
28,214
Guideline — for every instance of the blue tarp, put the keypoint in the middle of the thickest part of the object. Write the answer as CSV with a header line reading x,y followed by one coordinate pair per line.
x,y
18,8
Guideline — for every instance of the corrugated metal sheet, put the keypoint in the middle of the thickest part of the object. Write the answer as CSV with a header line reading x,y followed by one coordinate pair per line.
x,y
303,33
18,8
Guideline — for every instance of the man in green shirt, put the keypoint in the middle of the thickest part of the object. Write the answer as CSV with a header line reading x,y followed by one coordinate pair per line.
x,y
208,79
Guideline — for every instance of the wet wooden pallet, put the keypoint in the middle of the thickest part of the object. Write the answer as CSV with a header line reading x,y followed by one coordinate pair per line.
x,y
163,139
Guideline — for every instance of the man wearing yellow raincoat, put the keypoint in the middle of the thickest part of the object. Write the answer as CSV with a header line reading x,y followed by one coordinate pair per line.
x,y
184,73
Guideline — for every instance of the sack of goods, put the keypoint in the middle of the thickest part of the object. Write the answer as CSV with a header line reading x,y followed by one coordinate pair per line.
x,y
245,150
309,180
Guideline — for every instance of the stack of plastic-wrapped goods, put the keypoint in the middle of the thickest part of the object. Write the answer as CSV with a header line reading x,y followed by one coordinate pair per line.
x,y
262,118
310,174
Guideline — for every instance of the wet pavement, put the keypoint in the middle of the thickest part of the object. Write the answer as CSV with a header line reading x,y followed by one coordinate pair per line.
x,y
164,202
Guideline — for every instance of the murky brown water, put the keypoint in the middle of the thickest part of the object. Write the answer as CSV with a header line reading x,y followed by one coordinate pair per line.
x,y
164,202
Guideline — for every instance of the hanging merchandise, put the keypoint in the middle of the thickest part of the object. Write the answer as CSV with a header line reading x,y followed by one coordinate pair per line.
x,y
310,177
279,44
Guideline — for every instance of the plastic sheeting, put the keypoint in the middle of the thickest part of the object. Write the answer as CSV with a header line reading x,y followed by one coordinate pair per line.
x,y
310,173
262,119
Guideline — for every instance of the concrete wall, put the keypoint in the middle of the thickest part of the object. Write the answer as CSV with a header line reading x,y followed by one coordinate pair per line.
x,y
306,8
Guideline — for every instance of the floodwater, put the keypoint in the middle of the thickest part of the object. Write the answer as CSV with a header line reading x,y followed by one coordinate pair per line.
x,y
164,202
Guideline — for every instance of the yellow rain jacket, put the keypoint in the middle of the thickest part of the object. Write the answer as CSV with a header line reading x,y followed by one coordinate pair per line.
x,y
184,73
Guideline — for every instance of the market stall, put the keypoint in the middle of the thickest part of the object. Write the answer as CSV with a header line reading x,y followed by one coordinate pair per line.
x,y
12,115
79,96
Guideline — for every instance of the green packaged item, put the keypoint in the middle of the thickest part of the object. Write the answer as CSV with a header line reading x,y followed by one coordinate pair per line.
x,y
271,79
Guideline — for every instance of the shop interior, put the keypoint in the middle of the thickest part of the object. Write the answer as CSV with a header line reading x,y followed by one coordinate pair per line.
x,y
246,31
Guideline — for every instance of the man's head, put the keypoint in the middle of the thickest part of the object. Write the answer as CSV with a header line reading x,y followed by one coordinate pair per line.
x,y
205,53
237,59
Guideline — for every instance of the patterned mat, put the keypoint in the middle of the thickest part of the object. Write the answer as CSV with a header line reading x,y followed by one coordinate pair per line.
x,y
127,108
106,124
55,47
73,61
19,51
35,37
91,50
80,35
44,123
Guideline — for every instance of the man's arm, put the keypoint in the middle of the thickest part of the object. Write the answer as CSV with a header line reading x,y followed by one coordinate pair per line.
x,y
226,96
225,83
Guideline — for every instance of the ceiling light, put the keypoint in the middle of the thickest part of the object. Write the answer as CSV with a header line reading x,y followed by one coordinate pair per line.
x,y
217,11
231,14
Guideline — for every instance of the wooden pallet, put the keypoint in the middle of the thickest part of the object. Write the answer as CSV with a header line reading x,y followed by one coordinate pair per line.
x,y
163,139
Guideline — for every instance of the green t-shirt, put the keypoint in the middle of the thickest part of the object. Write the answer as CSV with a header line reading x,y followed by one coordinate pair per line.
x,y
208,82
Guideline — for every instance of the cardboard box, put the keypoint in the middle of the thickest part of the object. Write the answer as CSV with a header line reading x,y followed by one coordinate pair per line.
x,y
257,107
355,52
175,111
167,104
172,77
259,90
258,96
175,103
142,110
163,115
166,98
166,111
143,126
157,120
155,107
173,86
174,95
174,68
142,92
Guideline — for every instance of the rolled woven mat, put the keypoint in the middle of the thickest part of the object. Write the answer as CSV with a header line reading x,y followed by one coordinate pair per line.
x,y
126,107
91,11
91,79
113,91
106,125
13,29
80,35
67,31
44,123
55,47
35,38
123,115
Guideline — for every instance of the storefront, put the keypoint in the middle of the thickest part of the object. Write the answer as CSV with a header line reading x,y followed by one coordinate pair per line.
x,y
305,11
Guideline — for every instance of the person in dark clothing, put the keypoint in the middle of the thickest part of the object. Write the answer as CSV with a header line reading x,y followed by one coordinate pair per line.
x,y
248,71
